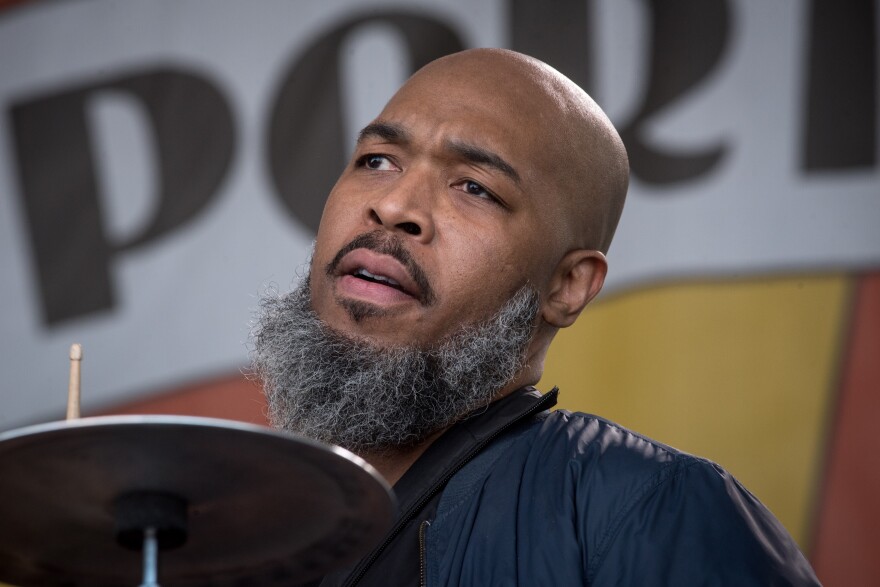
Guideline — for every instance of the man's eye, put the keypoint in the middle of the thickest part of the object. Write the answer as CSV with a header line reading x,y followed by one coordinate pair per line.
x,y
376,162
476,189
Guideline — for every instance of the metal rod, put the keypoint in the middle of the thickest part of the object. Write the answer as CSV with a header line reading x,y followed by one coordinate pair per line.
x,y
151,559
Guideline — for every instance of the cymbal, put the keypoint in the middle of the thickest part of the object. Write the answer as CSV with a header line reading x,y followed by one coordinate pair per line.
x,y
263,507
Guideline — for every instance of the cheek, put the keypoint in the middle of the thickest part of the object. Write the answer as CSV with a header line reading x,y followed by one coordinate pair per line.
x,y
495,250
335,211
336,221
482,273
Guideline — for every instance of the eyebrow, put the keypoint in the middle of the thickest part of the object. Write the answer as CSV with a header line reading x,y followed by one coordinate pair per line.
x,y
396,133
482,156
384,130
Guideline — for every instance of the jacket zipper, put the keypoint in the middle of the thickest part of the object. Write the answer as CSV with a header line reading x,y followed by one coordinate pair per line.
x,y
423,563
548,398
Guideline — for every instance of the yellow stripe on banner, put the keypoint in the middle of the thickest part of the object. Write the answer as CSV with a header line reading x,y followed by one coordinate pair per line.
x,y
740,372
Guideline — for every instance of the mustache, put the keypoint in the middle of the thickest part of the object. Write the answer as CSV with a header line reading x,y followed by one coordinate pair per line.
x,y
384,243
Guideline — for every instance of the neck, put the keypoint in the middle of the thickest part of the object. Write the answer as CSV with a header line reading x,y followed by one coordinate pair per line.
x,y
393,463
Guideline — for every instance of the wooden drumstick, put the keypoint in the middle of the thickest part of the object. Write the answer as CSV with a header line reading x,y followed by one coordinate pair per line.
x,y
73,386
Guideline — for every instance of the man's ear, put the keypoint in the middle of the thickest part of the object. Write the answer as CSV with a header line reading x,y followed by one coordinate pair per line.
x,y
578,278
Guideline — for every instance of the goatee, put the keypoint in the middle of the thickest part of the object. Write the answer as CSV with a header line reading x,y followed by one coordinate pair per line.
x,y
328,386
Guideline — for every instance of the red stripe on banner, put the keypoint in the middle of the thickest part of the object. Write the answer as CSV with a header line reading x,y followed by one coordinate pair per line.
x,y
847,536
8,3
233,398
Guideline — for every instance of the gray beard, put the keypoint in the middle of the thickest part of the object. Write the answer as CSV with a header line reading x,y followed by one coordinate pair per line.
x,y
328,386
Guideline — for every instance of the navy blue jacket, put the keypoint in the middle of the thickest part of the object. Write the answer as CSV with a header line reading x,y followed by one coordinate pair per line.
x,y
517,495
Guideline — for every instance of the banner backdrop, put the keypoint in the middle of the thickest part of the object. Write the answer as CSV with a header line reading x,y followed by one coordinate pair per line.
x,y
162,163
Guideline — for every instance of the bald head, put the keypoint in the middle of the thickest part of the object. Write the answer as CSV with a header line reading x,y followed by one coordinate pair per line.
x,y
486,173
576,147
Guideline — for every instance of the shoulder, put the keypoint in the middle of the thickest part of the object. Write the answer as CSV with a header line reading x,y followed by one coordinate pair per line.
x,y
587,433
603,454
681,517
607,468
577,499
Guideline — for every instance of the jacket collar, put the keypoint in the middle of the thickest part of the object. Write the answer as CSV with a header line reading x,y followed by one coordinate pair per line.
x,y
427,477
462,442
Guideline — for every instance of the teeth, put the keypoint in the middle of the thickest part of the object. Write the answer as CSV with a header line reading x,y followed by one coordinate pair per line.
x,y
382,278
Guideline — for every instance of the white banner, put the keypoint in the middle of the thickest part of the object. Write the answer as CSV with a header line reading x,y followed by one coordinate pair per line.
x,y
162,162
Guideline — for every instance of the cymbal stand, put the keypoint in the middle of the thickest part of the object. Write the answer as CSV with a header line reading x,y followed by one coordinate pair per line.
x,y
150,521
151,559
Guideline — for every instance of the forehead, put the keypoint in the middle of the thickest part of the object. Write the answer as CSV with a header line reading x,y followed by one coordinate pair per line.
x,y
447,108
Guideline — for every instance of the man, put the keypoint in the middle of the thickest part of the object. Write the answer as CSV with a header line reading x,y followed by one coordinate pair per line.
x,y
470,225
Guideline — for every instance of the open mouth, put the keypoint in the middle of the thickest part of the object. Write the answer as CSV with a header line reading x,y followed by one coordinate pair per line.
x,y
361,273
376,277
380,270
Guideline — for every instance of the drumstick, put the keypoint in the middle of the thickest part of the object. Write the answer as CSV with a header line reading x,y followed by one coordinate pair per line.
x,y
76,355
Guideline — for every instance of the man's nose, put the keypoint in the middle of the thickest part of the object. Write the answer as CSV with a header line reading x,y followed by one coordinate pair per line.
x,y
407,205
